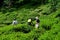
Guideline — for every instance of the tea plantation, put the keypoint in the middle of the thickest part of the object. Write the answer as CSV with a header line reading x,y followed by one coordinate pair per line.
x,y
49,28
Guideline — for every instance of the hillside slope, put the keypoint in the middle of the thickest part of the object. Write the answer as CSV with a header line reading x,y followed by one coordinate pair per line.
x,y
49,28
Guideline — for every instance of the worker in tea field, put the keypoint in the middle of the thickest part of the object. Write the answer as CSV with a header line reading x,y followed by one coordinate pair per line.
x,y
29,21
14,22
37,22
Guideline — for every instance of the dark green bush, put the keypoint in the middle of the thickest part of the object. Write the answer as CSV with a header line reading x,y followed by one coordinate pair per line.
x,y
23,28
46,27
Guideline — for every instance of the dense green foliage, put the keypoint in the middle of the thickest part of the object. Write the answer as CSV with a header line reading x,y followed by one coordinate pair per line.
x,y
49,16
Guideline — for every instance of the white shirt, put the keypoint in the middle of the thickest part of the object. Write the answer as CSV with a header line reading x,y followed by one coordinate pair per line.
x,y
14,22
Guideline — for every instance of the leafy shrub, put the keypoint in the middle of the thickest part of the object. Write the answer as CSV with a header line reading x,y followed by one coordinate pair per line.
x,y
46,27
22,28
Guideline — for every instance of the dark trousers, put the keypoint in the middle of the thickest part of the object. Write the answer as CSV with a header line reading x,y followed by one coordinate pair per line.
x,y
29,23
